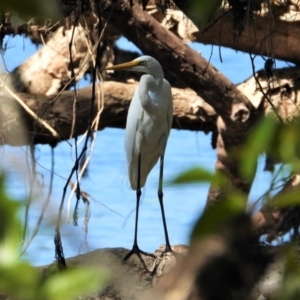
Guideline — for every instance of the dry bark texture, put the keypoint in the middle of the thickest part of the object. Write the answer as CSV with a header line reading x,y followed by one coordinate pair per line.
x,y
230,260
122,286
190,112
256,29
49,69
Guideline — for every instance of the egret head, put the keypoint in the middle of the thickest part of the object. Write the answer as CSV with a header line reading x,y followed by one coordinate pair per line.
x,y
145,63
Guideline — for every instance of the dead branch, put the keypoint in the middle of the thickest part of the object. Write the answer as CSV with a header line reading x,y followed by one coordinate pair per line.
x,y
271,29
190,111
50,69
260,36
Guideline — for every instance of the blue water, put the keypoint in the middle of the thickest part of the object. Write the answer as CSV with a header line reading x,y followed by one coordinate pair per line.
x,y
107,181
107,184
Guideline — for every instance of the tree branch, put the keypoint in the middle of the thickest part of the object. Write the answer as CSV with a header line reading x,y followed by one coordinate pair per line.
x,y
190,112
185,63
272,31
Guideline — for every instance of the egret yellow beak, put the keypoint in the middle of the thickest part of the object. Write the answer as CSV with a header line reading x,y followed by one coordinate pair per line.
x,y
125,66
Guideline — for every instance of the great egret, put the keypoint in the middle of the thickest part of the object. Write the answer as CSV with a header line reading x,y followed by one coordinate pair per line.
x,y
148,126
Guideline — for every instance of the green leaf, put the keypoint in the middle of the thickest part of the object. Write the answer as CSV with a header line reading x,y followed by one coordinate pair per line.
x,y
10,227
192,175
19,280
286,199
289,288
217,215
288,145
200,11
259,140
33,8
73,283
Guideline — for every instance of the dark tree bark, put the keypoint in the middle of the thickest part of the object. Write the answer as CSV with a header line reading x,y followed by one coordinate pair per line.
x,y
190,112
270,30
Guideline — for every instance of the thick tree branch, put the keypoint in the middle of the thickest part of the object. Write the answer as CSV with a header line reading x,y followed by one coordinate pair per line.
x,y
272,31
190,112
260,36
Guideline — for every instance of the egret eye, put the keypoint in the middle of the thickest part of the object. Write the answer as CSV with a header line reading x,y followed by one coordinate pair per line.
x,y
143,63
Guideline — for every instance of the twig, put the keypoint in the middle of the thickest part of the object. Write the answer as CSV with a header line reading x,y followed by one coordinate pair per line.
x,y
29,111
262,91
45,205
57,238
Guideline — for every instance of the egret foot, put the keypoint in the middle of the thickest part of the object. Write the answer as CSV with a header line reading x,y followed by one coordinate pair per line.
x,y
168,249
136,250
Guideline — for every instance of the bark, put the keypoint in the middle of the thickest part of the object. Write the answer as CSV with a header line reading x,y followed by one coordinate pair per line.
x,y
262,30
229,256
261,36
190,112
271,30
66,57
49,69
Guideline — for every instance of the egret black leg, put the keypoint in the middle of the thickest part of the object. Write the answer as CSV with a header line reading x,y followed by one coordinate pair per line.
x,y
160,198
135,248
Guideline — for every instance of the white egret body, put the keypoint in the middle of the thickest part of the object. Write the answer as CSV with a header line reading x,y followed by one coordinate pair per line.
x,y
148,126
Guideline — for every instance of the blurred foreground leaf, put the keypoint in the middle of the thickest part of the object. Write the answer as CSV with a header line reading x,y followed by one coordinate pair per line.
x,y
259,140
281,142
73,283
18,279
200,11
290,289
218,214
10,227
33,8
289,197
192,175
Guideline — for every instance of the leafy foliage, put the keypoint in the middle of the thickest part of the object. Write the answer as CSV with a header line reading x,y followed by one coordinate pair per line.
x,y
41,8
21,280
192,175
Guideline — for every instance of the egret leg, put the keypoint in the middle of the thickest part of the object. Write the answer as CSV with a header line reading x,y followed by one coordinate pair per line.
x,y
135,248
160,198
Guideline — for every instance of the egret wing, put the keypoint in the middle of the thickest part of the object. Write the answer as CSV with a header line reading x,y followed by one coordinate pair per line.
x,y
134,117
